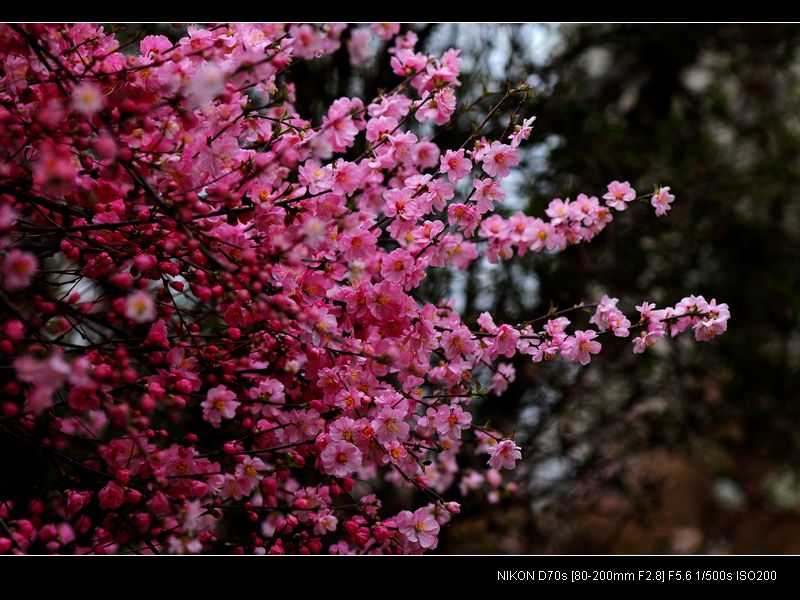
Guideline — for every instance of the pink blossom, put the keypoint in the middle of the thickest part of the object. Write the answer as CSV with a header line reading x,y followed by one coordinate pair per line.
x,y
449,421
397,266
390,425
455,164
18,269
340,458
499,158
504,455
111,496
419,527
580,346
87,99
458,342
318,178
619,194
339,126
439,106
504,342
360,46
46,375
714,323
466,217
139,307
521,132
346,178
487,323
205,85
220,403
645,340
406,62
661,201
500,380
487,193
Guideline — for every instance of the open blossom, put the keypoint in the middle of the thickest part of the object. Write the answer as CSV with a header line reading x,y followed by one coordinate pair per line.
x,y
487,193
499,158
619,194
205,85
455,164
346,178
715,322
661,201
608,316
458,342
87,98
139,307
339,126
46,376
220,403
504,455
17,270
360,47
645,340
449,421
464,216
340,458
440,106
419,527
504,342
506,374
581,346
316,177
397,266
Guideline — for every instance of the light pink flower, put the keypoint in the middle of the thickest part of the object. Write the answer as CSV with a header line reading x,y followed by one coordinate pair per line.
x,y
220,403
499,158
661,201
455,164
139,307
487,193
504,455
18,269
521,132
580,346
419,527
340,458
87,99
619,194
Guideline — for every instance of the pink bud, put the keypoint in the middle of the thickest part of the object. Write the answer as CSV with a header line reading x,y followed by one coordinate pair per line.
x,y
145,262
14,329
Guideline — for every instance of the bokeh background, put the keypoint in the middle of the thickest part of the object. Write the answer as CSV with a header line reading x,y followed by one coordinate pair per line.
x,y
694,447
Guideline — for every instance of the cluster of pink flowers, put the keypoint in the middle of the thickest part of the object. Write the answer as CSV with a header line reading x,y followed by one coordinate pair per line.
x,y
209,299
